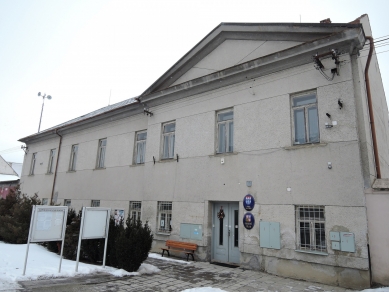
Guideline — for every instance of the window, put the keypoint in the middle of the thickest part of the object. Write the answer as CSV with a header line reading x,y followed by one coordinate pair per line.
x,y
32,167
310,228
164,217
45,201
169,131
140,147
67,202
95,203
225,131
51,161
135,210
101,153
305,118
73,158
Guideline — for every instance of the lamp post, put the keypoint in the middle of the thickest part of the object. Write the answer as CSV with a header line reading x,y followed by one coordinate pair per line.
x,y
43,103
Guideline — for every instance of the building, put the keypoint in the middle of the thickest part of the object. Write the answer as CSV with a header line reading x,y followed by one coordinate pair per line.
x,y
8,178
276,111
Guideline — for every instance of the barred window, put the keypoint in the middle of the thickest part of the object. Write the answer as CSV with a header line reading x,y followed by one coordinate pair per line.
x,y
310,228
45,201
136,210
164,217
95,203
67,202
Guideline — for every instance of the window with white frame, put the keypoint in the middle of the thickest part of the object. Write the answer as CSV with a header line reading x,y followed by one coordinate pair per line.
x,y
45,201
67,202
305,118
164,217
101,153
168,137
51,161
73,158
33,160
95,203
225,131
136,210
140,147
310,228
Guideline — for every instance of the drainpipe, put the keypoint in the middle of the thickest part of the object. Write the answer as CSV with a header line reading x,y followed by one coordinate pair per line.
x,y
370,104
56,166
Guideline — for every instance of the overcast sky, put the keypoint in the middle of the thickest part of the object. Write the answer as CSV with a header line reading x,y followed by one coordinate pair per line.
x,y
87,54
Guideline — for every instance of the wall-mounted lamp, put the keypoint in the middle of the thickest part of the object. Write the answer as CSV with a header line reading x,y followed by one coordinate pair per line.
x,y
24,148
43,103
329,165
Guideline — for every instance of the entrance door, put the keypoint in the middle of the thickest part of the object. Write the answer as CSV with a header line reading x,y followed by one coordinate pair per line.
x,y
225,237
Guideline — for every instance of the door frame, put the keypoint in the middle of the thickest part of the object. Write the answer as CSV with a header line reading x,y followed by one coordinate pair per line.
x,y
214,236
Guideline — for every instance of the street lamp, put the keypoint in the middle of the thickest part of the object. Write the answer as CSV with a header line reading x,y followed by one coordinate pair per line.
x,y
43,103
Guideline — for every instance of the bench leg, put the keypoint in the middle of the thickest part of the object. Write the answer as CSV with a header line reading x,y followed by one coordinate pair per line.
x,y
189,254
163,252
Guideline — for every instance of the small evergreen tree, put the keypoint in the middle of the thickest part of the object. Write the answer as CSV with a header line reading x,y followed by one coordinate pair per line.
x,y
15,216
133,244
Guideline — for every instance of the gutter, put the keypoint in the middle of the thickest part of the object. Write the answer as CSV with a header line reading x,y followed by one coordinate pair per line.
x,y
370,104
56,166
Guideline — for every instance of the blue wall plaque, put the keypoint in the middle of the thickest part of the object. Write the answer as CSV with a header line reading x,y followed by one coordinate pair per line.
x,y
248,202
248,220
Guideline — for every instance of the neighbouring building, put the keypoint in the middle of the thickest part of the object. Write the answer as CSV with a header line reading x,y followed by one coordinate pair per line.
x,y
8,178
256,145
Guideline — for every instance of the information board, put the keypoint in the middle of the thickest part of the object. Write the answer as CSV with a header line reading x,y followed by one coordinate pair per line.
x,y
95,222
48,223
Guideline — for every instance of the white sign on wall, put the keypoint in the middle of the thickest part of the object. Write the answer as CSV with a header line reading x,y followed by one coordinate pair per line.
x,y
48,223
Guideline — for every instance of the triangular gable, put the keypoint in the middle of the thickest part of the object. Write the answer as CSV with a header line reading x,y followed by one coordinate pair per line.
x,y
5,168
230,44
231,53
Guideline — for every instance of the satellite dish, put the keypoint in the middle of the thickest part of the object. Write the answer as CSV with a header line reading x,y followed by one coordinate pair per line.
x,y
39,94
48,97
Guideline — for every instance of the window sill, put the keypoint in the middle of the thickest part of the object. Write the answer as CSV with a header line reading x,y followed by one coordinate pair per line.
x,y
49,173
31,174
300,146
312,252
162,233
136,164
223,154
163,160
70,171
100,168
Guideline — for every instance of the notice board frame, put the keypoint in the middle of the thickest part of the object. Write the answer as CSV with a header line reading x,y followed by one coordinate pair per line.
x,y
42,220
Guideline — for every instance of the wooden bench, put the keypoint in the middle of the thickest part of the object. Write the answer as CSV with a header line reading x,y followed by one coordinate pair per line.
x,y
187,247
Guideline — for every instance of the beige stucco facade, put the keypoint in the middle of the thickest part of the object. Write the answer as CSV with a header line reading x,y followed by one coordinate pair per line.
x,y
283,176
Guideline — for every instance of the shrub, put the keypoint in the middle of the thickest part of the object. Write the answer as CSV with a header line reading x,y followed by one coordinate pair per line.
x,y
133,244
15,216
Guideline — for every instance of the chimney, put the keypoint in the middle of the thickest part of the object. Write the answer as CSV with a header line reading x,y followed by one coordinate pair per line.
x,y
327,20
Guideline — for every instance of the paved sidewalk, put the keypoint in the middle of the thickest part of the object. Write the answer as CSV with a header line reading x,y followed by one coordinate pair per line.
x,y
175,276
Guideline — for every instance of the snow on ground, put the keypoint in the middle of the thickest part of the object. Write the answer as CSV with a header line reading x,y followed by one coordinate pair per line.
x,y
384,289
158,256
42,264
